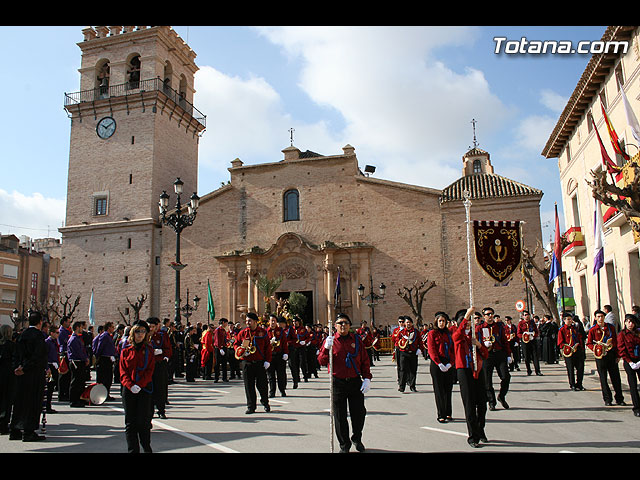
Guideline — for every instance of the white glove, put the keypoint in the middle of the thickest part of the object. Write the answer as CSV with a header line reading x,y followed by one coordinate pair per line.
x,y
55,365
635,366
157,351
448,365
487,343
302,342
285,357
222,351
509,360
266,365
328,342
135,389
366,384
166,359
442,367
418,351
113,359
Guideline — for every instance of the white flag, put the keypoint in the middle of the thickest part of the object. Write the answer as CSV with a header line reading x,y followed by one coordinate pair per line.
x,y
91,312
631,118
598,232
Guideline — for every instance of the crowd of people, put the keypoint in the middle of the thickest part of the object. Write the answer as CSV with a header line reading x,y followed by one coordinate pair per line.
x,y
271,352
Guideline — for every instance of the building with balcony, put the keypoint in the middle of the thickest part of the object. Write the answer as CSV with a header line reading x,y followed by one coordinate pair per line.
x,y
574,143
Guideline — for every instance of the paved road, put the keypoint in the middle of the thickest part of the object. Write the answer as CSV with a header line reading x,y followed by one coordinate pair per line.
x,y
545,417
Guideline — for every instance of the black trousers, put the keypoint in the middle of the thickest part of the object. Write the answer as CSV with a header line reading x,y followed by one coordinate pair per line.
x,y
28,401
64,384
408,365
138,412
474,398
160,386
294,364
104,372
193,359
78,371
575,368
608,367
348,401
255,377
442,388
530,351
51,385
632,378
497,359
221,365
515,352
277,374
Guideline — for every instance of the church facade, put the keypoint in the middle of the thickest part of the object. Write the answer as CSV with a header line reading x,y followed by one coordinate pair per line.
x,y
305,217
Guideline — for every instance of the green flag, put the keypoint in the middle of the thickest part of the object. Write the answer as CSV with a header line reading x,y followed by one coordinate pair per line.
x,y
210,309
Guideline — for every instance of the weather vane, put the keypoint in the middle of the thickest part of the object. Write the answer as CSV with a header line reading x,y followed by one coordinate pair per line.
x,y
473,122
291,130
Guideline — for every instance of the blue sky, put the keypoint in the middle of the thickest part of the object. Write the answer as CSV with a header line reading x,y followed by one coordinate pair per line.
x,y
404,97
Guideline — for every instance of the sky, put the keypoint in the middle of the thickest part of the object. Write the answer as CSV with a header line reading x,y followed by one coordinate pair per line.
x,y
404,97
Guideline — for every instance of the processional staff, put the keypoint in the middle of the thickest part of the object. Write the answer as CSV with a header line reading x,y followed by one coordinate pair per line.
x,y
467,207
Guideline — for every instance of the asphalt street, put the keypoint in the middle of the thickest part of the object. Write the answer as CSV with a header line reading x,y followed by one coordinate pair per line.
x,y
207,417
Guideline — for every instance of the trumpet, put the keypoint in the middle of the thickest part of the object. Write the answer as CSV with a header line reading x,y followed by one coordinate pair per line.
x,y
568,349
527,337
600,349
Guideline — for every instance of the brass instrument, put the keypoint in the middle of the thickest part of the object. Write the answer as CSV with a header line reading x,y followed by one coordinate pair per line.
x,y
527,337
600,349
403,342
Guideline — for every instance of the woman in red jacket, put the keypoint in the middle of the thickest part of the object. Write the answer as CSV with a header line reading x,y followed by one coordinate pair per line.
x,y
137,363
442,365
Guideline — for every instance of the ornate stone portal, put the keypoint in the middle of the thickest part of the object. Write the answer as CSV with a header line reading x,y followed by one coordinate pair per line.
x,y
304,268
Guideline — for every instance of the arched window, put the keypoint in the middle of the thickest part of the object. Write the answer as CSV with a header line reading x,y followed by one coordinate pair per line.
x,y
103,72
133,73
291,204
477,166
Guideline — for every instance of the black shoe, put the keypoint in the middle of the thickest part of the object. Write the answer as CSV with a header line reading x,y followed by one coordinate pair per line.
x,y
580,387
283,394
622,403
345,449
250,411
162,415
51,410
492,406
608,403
271,395
401,389
636,413
483,439
267,408
503,402
473,443
442,420
360,447
33,437
539,374
413,389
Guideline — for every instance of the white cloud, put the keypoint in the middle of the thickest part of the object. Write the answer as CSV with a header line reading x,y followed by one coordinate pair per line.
x,y
32,215
553,101
404,110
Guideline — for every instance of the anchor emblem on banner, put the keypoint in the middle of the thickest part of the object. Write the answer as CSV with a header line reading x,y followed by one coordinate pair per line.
x,y
498,247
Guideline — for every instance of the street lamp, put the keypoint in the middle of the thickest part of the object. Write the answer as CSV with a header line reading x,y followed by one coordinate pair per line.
x,y
372,298
178,221
188,309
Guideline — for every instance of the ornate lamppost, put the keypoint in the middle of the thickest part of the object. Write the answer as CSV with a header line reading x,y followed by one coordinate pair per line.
x,y
188,309
178,221
372,298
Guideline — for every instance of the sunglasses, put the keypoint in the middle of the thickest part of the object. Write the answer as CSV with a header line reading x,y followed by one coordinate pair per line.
x,y
342,323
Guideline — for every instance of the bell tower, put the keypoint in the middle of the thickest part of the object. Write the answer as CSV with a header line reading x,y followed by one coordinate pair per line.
x,y
134,130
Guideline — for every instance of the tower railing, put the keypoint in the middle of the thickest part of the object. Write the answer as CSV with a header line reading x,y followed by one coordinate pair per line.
x,y
134,88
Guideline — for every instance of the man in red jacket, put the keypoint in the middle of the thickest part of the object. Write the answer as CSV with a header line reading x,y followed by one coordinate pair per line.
x,y
220,337
351,380
603,341
253,349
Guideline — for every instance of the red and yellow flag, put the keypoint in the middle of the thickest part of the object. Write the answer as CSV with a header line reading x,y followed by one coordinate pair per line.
x,y
615,141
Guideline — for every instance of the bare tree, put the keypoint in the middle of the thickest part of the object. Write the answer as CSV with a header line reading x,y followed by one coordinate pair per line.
x,y
414,296
136,307
65,307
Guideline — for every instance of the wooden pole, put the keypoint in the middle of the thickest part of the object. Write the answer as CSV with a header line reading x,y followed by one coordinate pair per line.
x,y
467,207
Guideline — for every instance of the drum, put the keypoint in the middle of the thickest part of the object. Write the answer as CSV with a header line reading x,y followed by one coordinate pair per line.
x,y
95,394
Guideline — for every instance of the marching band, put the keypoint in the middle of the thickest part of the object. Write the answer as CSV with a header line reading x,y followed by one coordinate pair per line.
x,y
142,361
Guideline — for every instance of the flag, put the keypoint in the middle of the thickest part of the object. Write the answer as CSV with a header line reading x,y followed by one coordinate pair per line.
x,y
92,317
606,160
615,141
631,118
598,233
336,294
210,309
556,255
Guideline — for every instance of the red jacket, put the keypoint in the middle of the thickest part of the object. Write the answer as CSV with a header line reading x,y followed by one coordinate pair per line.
x,y
463,353
207,352
629,345
350,357
301,335
220,337
499,332
413,340
524,326
365,335
569,336
279,336
440,346
259,338
136,366
160,339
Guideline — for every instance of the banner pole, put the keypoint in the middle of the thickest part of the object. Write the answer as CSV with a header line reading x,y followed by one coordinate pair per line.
x,y
467,207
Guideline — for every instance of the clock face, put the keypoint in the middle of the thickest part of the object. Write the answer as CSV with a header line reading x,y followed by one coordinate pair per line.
x,y
106,127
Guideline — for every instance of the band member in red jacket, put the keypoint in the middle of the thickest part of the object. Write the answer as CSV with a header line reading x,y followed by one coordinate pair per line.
x,y
367,338
442,365
409,344
277,371
527,333
220,338
572,348
351,379
494,336
137,364
472,385
253,349
602,340
629,351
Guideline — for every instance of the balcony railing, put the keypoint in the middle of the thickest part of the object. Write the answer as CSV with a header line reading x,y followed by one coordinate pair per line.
x,y
134,88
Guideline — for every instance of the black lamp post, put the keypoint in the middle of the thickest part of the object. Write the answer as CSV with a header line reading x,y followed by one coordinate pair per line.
x,y
178,221
188,309
372,298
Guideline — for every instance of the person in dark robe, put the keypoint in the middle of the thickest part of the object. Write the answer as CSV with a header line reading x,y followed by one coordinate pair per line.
x,y
30,362
549,335
7,377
